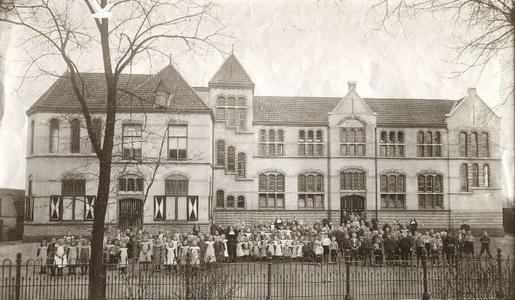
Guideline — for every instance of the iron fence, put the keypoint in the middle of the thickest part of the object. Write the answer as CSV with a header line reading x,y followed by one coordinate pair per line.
x,y
269,279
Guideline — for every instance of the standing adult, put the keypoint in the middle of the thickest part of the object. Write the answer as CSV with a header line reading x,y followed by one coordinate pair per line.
x,y
278,223
465,226
405,247
231,235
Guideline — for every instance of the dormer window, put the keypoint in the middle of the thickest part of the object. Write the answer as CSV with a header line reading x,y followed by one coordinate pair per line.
x,y
161,96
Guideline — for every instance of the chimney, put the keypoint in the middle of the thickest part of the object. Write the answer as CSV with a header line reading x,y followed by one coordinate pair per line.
x,y
471,91
351,85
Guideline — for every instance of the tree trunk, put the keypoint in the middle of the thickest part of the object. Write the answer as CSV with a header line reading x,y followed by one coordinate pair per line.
x,y
96,280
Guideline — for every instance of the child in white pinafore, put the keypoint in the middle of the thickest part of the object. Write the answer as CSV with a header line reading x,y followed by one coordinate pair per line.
x,y
226,250
171,254
278,248
124,257
210,257
60,259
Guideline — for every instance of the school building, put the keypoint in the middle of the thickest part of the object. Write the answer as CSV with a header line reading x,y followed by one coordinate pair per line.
x,y
191,155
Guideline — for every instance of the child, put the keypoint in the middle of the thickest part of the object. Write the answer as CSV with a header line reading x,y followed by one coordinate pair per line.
x,y
145,253
157,251
326,242
43,255
239,248
294,247
171,254
184,249
263,247
84,256
333,247
378,251
50,257
124,257
246,247
113,252
209,256
60,257
318,249
270,249
72,257
225,249
354,246
278,248
194,254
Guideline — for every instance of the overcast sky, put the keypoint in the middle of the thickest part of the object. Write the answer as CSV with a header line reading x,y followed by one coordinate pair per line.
x,y
297,48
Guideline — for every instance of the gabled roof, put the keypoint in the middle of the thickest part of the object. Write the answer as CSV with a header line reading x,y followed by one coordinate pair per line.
x,y
410,111
134,91
316,109
231,72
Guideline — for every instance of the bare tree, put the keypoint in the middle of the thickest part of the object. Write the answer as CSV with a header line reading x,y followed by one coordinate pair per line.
x,y
119,33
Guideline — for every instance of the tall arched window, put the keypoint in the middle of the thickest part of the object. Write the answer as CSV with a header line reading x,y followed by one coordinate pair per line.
x,y
31,142
241,165
485,143
475,175
130,183
463,144
486,175
29,202
310,190
391,143
464,174
271,144
53,141
393,191
232,110
220,153
430,191
220,198
352,180
176,185
271,190
473,144
231,159
310,143
75,136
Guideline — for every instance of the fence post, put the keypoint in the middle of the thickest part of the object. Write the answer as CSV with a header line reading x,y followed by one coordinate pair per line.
x,y
500,290
18,276
269,282
347,275
187,266
105,261
426,295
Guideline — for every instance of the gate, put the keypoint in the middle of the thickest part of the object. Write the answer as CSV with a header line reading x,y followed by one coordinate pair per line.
x,y
130,213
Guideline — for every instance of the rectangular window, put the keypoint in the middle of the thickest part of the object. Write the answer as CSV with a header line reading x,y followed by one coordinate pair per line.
x,y
131,140
177,141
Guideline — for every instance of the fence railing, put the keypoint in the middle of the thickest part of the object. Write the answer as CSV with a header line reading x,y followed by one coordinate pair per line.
x,y
426,278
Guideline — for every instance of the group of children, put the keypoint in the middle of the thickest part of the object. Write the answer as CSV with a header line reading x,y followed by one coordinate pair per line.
x,y
67,252
273,240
